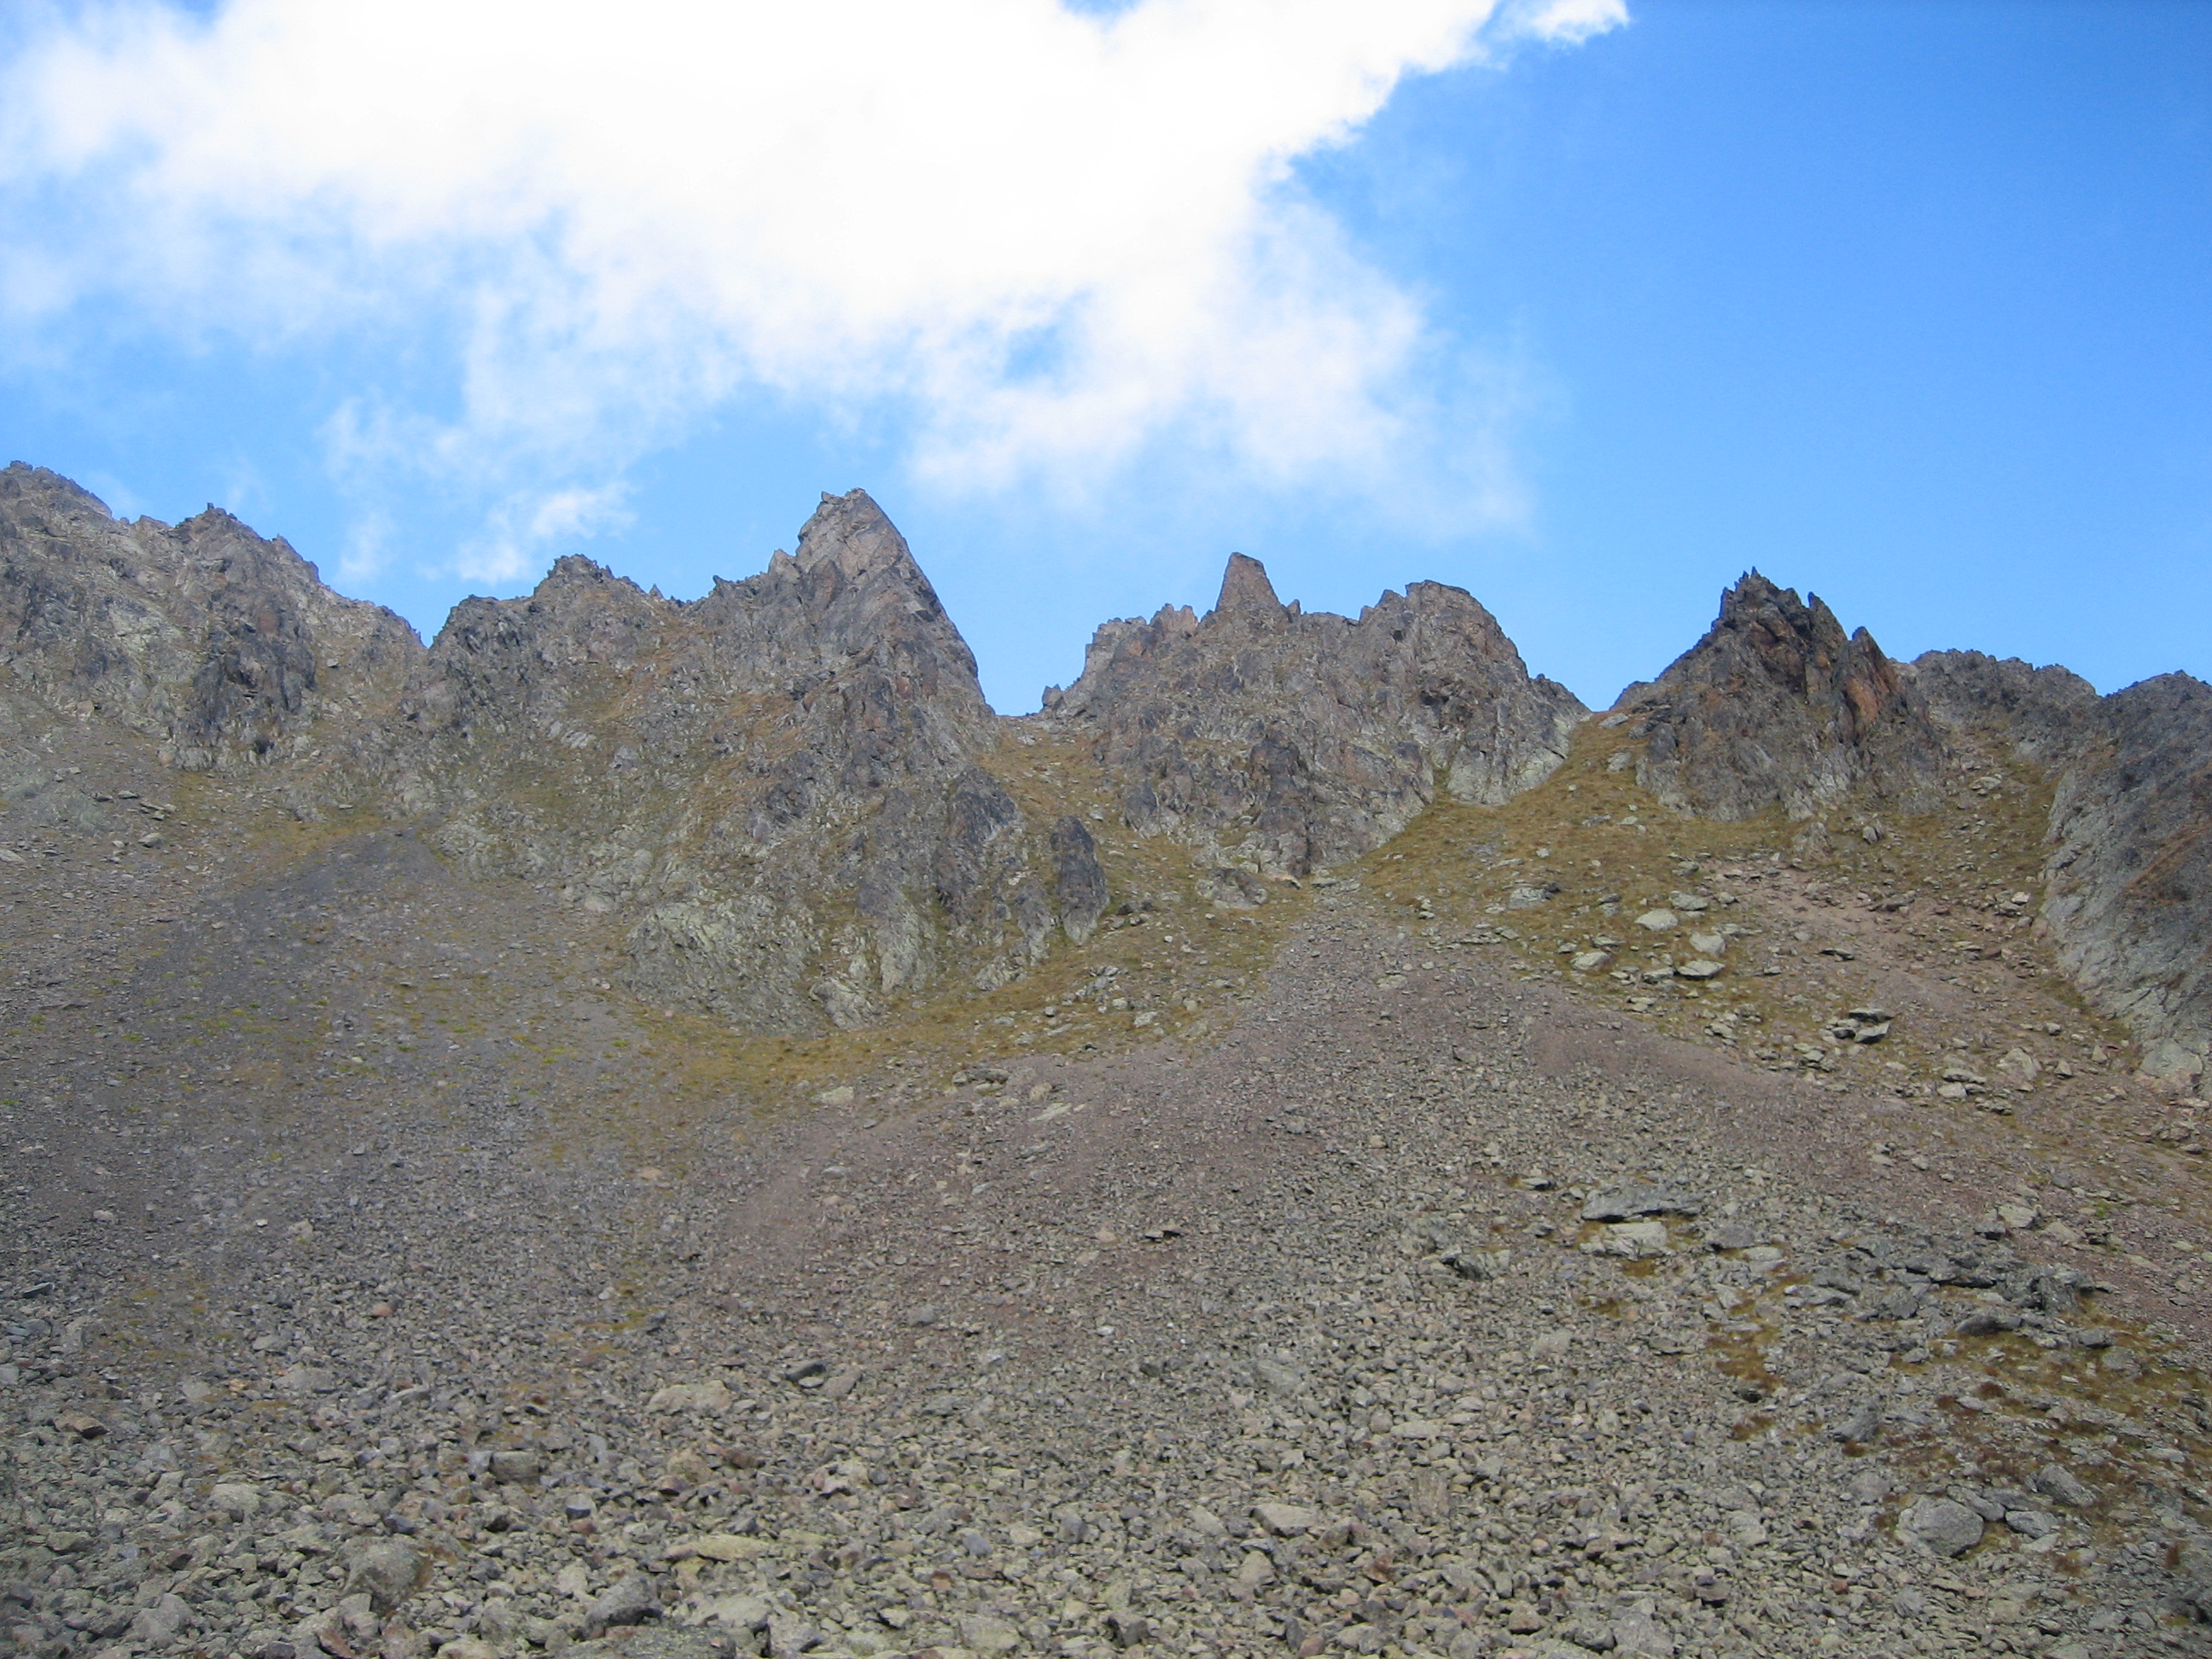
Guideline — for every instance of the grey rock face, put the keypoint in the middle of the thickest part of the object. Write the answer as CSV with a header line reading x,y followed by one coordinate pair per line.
x,y
1288,742
1777,705
224,648
2046,715
2130,881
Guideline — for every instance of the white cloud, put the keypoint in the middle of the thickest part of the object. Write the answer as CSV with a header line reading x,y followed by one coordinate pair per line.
x,y
520,528
1050,240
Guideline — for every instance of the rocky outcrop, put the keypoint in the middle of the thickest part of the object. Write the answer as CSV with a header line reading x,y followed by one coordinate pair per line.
x,y
780,779
2128,895
1777,706
1283,741
2043,715
779,783
2130,886
225,649
785,790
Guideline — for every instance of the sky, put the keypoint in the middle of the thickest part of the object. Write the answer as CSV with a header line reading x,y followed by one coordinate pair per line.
x,y
1585,306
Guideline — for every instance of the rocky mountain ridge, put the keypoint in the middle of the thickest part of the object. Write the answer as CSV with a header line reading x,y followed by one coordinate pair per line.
x,y
657,1130
791,788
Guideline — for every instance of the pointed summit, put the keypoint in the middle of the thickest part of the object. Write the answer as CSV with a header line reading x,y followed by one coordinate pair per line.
x,y
853,532
1245,586
1778,705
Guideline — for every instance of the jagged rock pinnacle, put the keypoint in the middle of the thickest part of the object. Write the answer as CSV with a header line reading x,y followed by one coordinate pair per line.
x,y
1245,586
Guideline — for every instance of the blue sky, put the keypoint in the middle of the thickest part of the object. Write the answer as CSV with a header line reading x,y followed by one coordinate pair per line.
x,y
1586,311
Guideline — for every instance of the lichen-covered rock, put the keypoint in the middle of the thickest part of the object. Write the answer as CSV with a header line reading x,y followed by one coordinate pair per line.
x,y
1285,742
1777,706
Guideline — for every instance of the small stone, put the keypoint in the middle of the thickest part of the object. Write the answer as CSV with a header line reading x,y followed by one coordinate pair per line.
x,y
1657,922
2056,1482
739,1613
1636,1240
1591,962
1128,1629
722,1547
1940,1525
2031,1523
1633,1203
83,1424
712,1395
1858,1426
1279,1376
160,1622
1710,944
1285,1520
388,1571
519,1468
2018,1217
627,1601
236,1499
1699,968
981,1633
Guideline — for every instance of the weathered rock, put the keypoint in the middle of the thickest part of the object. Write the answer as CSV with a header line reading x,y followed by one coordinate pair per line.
x,y
388,1571
626,1602
2044,715
2130,872
1777,706
1296,741
224,648
1940,1525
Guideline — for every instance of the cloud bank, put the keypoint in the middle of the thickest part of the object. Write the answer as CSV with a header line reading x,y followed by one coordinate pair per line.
x,y
1044,242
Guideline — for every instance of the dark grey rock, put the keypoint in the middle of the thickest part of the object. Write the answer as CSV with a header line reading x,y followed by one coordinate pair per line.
x,y
1078,880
